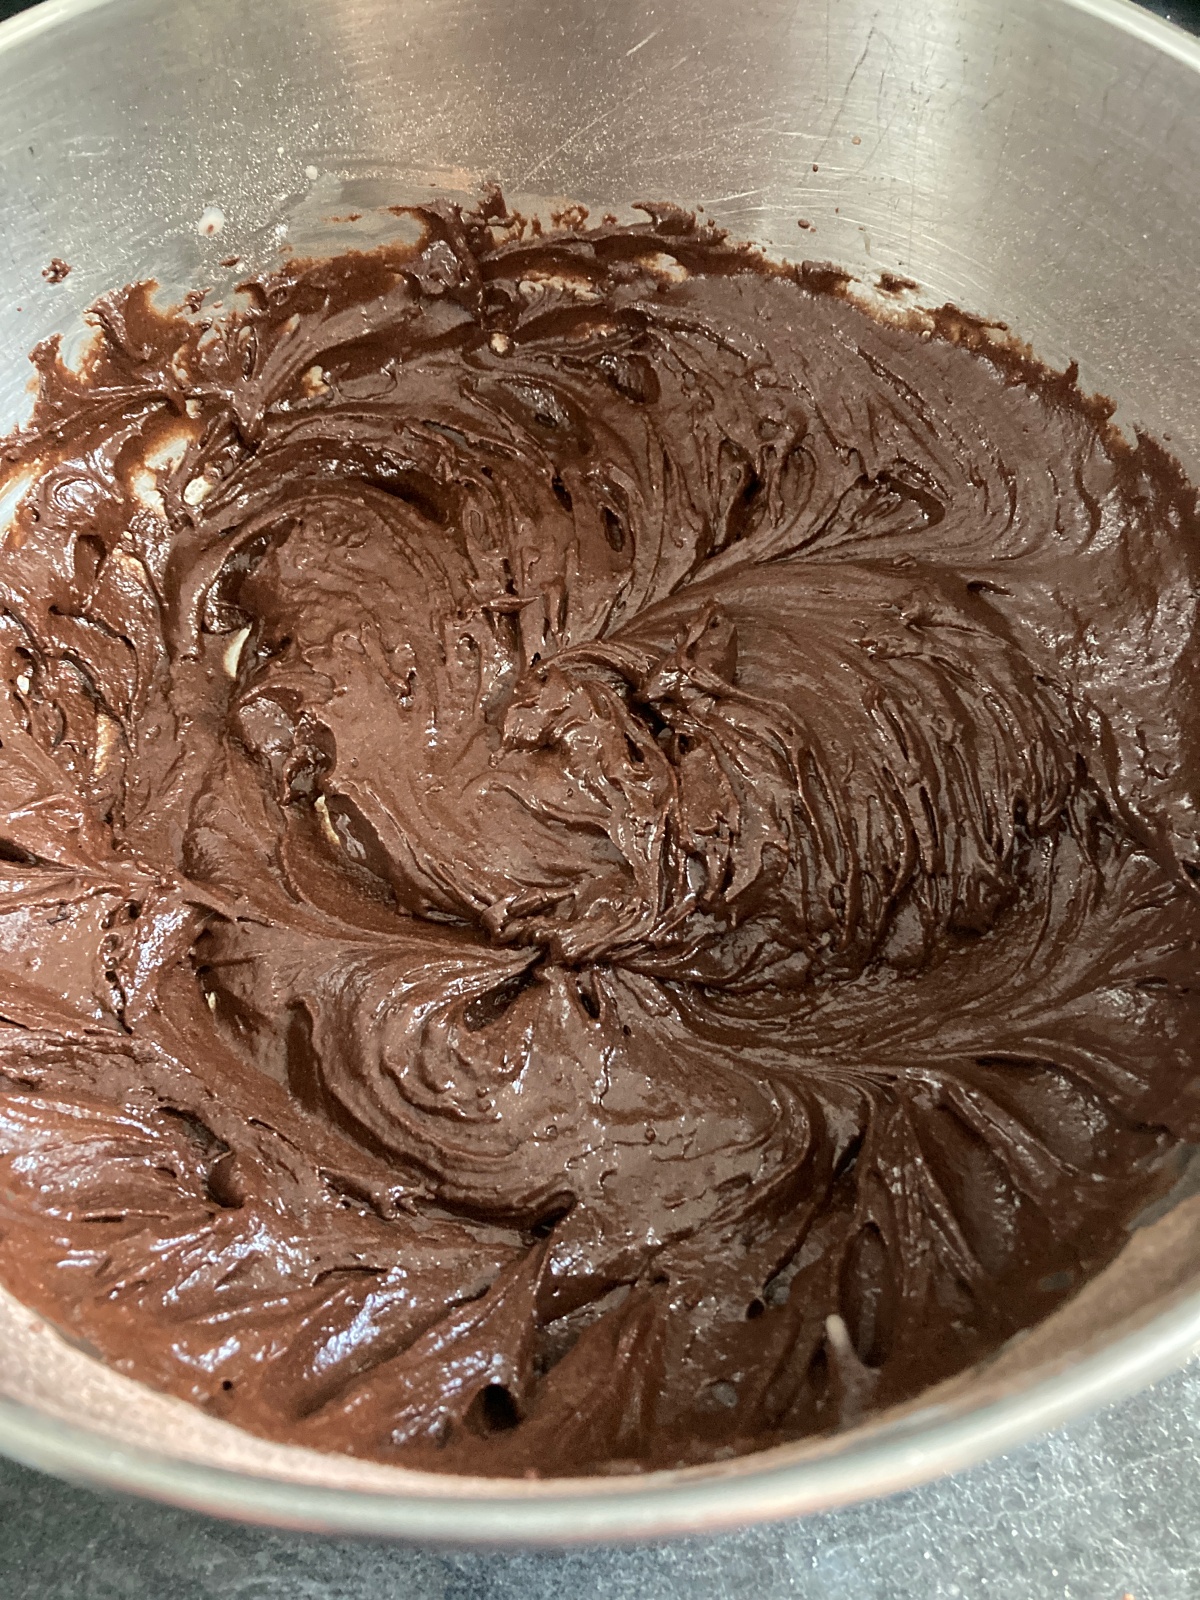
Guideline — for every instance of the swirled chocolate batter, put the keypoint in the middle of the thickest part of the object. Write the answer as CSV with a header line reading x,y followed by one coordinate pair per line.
x,y
599,848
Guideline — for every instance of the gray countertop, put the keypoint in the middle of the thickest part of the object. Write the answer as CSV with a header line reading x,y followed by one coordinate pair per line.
x,y
1108,1509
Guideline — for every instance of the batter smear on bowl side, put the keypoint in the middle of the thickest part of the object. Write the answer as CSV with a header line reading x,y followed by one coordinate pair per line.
x,y
599,848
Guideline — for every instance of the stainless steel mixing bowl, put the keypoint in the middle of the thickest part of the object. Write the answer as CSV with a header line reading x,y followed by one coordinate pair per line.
x,y
1033,160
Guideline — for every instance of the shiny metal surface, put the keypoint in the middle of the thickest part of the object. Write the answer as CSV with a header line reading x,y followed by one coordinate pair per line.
x,y
1034,160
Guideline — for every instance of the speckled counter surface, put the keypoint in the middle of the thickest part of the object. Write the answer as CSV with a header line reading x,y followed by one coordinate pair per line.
x,y
1108,1509
1105,1509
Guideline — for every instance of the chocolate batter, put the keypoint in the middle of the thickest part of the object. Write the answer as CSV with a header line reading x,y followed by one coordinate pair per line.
x,y
599,848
